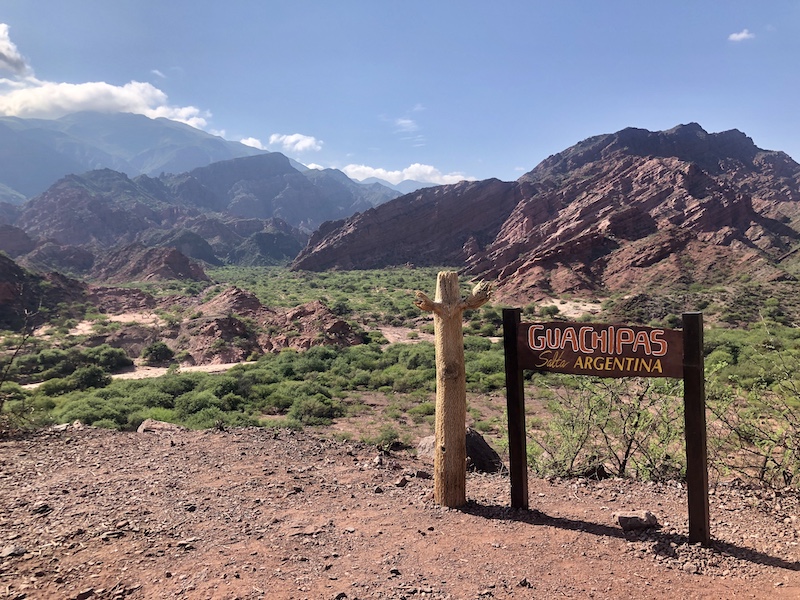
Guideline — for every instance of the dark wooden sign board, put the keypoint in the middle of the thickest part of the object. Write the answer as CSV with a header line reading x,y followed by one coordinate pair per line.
x,y
604,350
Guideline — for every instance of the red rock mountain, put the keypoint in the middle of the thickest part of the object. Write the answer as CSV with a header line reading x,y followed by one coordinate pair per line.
x,y
139,263
624,211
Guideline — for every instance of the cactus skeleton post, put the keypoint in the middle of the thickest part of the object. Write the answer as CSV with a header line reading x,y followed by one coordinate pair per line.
x,y
449,466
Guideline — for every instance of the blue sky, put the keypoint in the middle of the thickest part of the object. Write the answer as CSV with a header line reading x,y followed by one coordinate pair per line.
x,y
428,90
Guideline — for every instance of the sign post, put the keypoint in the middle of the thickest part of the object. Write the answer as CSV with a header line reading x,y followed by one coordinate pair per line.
x,y
450,452
694,415
604,350
515,405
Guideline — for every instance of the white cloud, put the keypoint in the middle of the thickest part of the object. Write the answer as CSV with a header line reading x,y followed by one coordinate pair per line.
x,y
415,172
10,58
315,166
158,73
405,125
295,142
743,35
253,143
47,100
26,96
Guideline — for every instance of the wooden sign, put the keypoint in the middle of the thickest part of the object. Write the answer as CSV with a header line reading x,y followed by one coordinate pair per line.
x,y
601,350
611,351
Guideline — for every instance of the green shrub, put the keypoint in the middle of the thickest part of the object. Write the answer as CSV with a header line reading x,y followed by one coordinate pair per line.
x,y
89,409
194,402
56,387
156,413
386,438
110,359
178,383
157,353
90,376
315,410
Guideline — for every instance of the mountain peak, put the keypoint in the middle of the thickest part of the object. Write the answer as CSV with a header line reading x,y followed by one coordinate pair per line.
x,y
688,142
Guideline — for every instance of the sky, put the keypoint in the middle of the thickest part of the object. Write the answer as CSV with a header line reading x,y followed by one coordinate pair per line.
x,y
430,90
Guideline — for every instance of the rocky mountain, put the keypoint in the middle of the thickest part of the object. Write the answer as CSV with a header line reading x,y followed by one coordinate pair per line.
x,y
244,211
140,263
433,226
269,186
618,212
35,153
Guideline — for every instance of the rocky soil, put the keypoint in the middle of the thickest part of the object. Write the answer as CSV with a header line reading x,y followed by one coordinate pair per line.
x,y
254,513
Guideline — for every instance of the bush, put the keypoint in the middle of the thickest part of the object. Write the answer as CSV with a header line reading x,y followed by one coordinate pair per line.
x,y
628,426
56,387
110,359
90,377
195,401
387,437
90,409
316,410
157,353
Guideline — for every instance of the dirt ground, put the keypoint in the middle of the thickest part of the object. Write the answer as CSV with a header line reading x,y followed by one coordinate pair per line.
x,y
256,513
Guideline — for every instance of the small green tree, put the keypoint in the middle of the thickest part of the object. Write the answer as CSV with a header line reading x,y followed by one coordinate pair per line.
x,y
90,376
157,353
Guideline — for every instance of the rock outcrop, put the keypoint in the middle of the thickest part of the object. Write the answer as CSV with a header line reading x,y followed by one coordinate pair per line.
x,y
26,297
139,263
14,241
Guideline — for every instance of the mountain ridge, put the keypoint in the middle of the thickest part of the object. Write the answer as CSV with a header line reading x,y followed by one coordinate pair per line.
x,y
255,210
614,212
34,153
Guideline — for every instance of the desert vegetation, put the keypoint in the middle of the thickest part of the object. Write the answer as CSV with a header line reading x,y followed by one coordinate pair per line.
x,y
382,392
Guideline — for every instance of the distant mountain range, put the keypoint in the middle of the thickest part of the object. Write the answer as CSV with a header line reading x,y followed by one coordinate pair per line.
x,y
250,210
616,214
35,153
73,188
404,187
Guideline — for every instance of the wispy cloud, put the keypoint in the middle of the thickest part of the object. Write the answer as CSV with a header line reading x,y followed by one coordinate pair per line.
x,y
23,95
741,36
253,143
295,142
158,73
405,125
415,172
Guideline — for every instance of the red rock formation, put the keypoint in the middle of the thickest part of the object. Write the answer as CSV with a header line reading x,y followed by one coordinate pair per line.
x,y
138,263
434,226
614,212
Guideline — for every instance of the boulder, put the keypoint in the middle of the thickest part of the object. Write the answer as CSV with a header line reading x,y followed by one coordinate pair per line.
x,y
481,457
153,426
636,520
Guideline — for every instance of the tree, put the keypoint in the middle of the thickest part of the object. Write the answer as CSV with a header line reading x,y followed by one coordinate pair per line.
x,y
157,352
